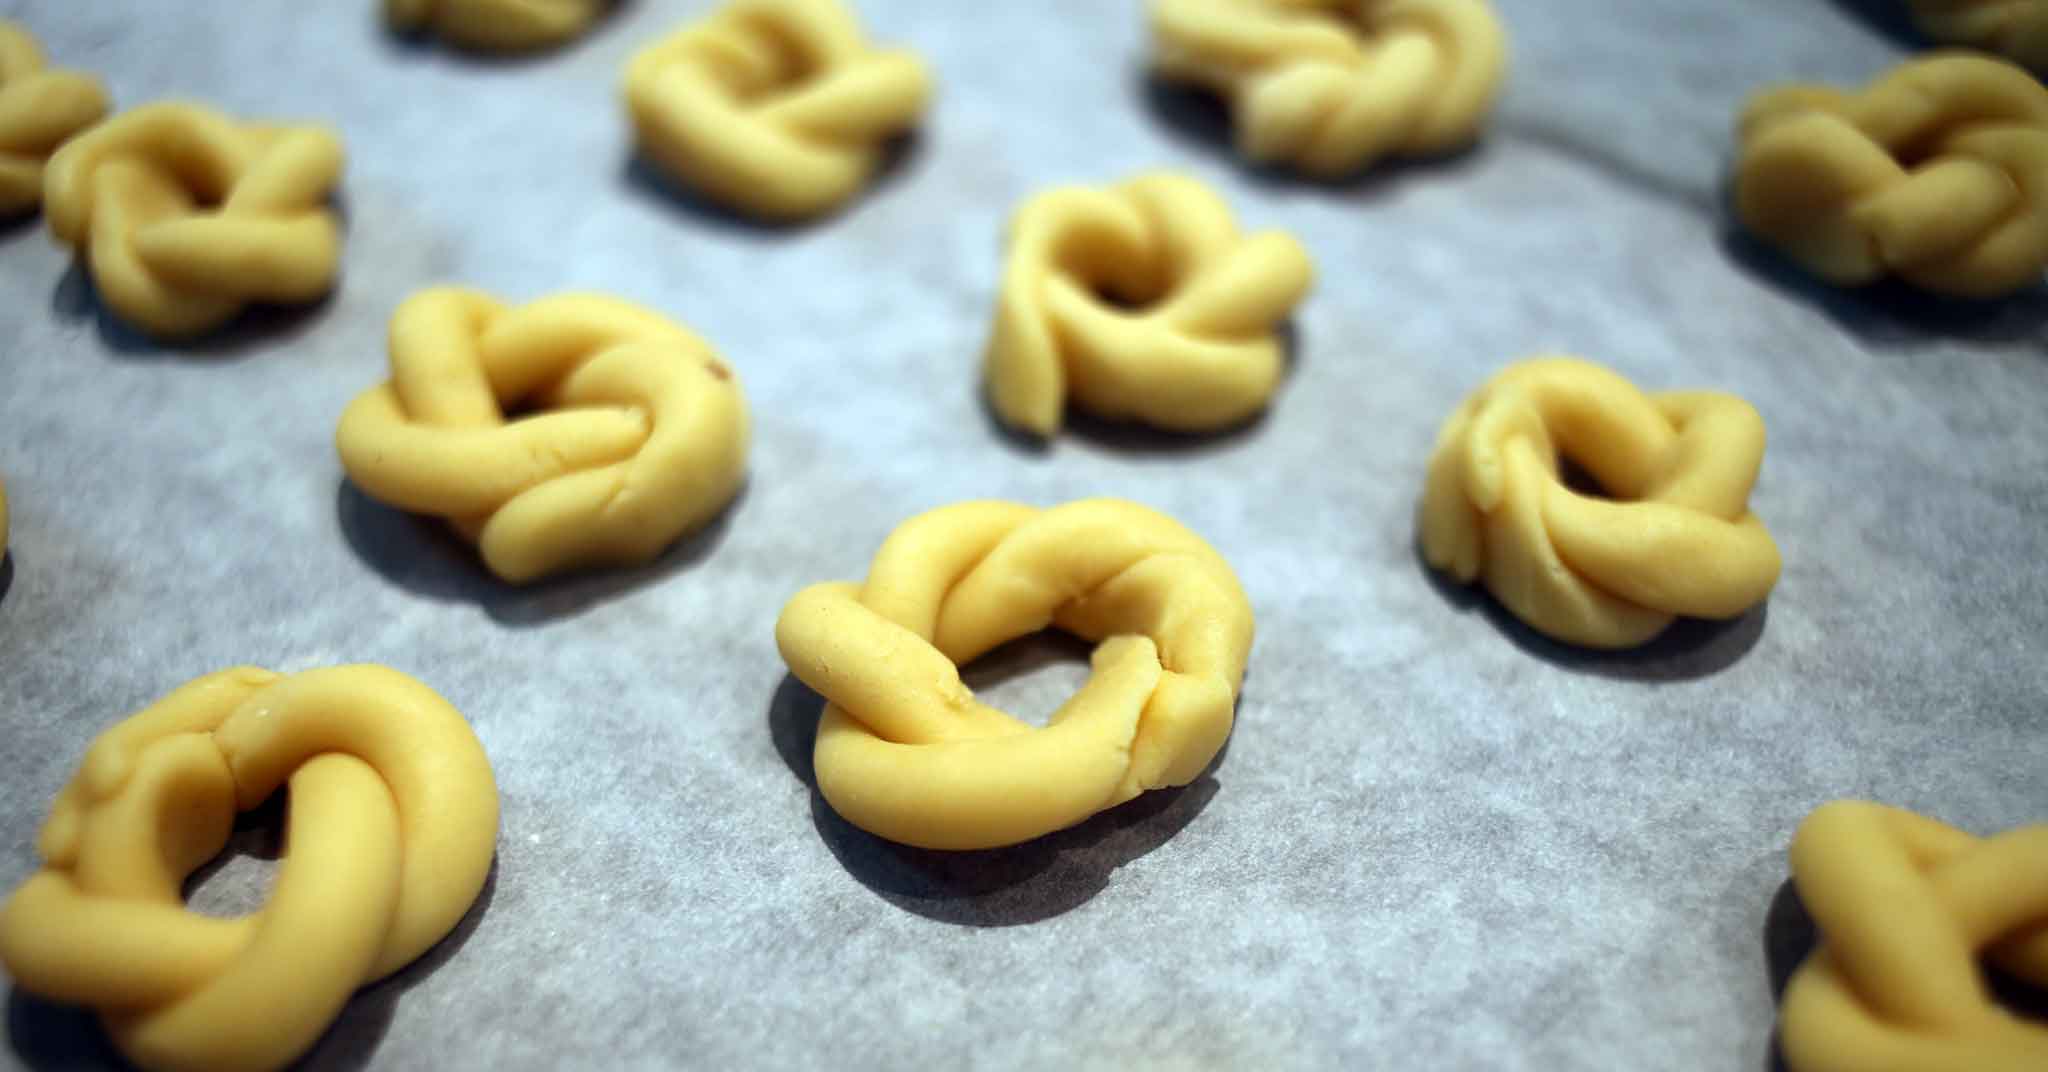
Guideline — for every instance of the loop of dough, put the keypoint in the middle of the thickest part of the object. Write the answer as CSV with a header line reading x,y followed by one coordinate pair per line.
x,y
2015,28
391,826
641,434
1330,86
40,109
185,216
776,108
1936,173
1676,538
1905,906
495,25
1205,355
906,752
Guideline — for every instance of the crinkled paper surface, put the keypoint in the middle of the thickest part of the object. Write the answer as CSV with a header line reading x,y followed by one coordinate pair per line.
x,y
1434,841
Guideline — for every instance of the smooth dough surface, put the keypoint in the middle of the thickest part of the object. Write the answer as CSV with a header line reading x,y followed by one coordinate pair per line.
x,y
635,432
2015,28
779,109
1905,907
1671,536
905,751
391,827
185,216
1936,173
40,109
1331,86
496,25
1141,300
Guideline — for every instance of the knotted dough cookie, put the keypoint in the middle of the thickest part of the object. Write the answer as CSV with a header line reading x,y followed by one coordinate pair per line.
x,y
495,25
776,108
39,110
185,216
391,826
1937,173
2016,28
1905,907
1330,86
906,752
1672,535
638,432
1141,300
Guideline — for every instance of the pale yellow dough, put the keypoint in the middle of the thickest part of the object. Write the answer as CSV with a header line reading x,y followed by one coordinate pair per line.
x,y
1905,906
779,109
1330,86
2016,28
496,25
906,752
185,215
39,110
639,436
1673,536
1142,301
1937,173
392,824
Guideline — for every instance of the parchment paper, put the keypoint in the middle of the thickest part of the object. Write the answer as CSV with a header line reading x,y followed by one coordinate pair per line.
x,y
1435,841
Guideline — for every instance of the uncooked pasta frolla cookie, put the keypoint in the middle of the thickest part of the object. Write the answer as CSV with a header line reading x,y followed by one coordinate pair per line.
x,y
905,751
185,216
39,110
495,25
1909,910
1330,86
1140,301
574,431
1668,533
778,109
391,826
2015,28
1936,173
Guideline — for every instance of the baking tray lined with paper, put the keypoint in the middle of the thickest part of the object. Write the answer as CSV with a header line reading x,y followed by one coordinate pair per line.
x,y
1433,835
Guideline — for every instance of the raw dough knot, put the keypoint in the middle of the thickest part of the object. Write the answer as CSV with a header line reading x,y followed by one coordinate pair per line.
x,y
39,110
391,825
777,108
1330,86
1671,535
495,25
905,751
1143,300
2016,28
185,216
1905,906
1937,173
638,432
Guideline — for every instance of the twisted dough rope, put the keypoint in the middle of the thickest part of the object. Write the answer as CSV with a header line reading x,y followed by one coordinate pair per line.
x,y
495,25
1677,538
905,751
1205,353
643,435
185,215
39,110
1936,173
1330,86
777,108
392,824
1905,905
2016,28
